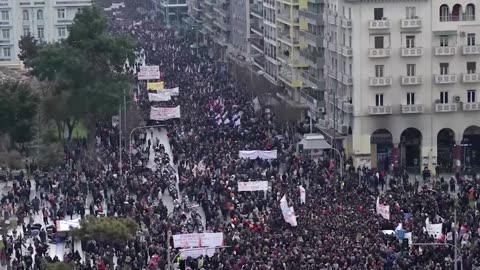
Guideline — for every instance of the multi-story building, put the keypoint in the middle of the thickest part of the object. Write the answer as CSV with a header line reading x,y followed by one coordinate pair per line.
x,y
173,11
46,20
402,80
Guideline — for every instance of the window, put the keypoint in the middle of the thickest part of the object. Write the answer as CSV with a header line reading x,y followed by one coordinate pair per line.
x,y
5,34
40,33
471,39
62,32
6,52
443,41
61,13
39,14
471,67
444,97
444,13
5,15
379,100
471,96
411,69
410,98
377,13
469,13
443,68
379,42
379,70
25,15
410,41
410,12
26,30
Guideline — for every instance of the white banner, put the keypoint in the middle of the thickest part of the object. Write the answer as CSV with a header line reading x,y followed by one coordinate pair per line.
x,y
383,210
149,73
67,225
288,212
303,194
253,186
196,253
435,230
172,91
159,96
198,240
161,114
254,154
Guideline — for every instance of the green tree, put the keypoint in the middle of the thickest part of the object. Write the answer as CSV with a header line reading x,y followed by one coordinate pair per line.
x,y
18,108
28,47
51,155
86,69
107,229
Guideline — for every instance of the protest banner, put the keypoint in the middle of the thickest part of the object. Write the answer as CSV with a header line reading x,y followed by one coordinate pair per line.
x,y
435,230
254,154
383,210
156,86
162,114
160,96
149,73
196,253
198,240
67,225
172,91
288,212
303,194
253,186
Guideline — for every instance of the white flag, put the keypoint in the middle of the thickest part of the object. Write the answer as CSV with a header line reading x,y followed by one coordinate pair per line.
x,y
303,194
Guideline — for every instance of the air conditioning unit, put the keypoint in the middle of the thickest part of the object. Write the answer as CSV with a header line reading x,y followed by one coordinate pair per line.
x,y
437,101
321,110
384,18
456,98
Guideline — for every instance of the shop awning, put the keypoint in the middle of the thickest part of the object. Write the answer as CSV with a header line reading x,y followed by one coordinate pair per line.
x,y
318,144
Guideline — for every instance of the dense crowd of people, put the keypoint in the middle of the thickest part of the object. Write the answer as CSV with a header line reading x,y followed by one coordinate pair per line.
x,y
338,225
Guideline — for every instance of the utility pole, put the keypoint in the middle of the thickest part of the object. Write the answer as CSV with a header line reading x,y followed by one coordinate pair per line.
x,y
455,239
120,138
125,115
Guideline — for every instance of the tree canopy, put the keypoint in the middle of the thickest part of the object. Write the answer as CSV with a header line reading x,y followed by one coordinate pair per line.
x,y
107,229
86,70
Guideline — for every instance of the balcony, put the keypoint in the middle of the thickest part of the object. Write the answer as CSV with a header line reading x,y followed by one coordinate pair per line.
x,y
313,56
222,25
317,39
471,78
257,44
346,23
446,107
380,110
469,50
287,76
380,81
411,52
312,14
347,51
257,11
411,23
379,24
259,61
347,107
256,28
379,53
210,2
289,2
475,106
412,80
347,79
288,39
445,51
220,11
312,80
197,8
409,109
445,79
287,19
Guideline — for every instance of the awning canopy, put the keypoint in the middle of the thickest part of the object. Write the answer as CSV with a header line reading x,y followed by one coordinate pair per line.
x,y
315,144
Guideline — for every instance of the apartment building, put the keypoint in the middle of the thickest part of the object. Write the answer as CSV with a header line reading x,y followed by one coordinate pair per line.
x,y
173,11
46,20
402,82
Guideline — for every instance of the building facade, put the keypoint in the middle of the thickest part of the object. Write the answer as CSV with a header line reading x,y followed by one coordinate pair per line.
x,y
172,11
46,20
402,80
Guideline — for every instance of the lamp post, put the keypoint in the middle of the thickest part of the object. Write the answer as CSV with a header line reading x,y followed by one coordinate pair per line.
x,y
130,138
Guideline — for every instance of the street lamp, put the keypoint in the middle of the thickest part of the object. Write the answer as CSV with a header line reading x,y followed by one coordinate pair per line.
x,y
130,139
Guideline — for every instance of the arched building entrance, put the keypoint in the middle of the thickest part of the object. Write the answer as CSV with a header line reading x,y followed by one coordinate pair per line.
x,y
471,147
381,145
445,150
410,149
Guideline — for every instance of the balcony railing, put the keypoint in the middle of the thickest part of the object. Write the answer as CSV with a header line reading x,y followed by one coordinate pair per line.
x,y
457,18
380,110
310,55
409,52
417,108
412,80
257,44
379,24
210,2
473,106
445,51
257,11
445,78
446,107
378,53
312,14
380,81
287,38
411,23
314,37
471,77
287,19
469,50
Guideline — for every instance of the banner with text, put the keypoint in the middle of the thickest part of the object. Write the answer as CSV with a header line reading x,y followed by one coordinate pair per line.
x,y
435,230
198,240
172,91
288,212
253,186
383,210
149,73
196,253
159,96
254,154
162,114
155,86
